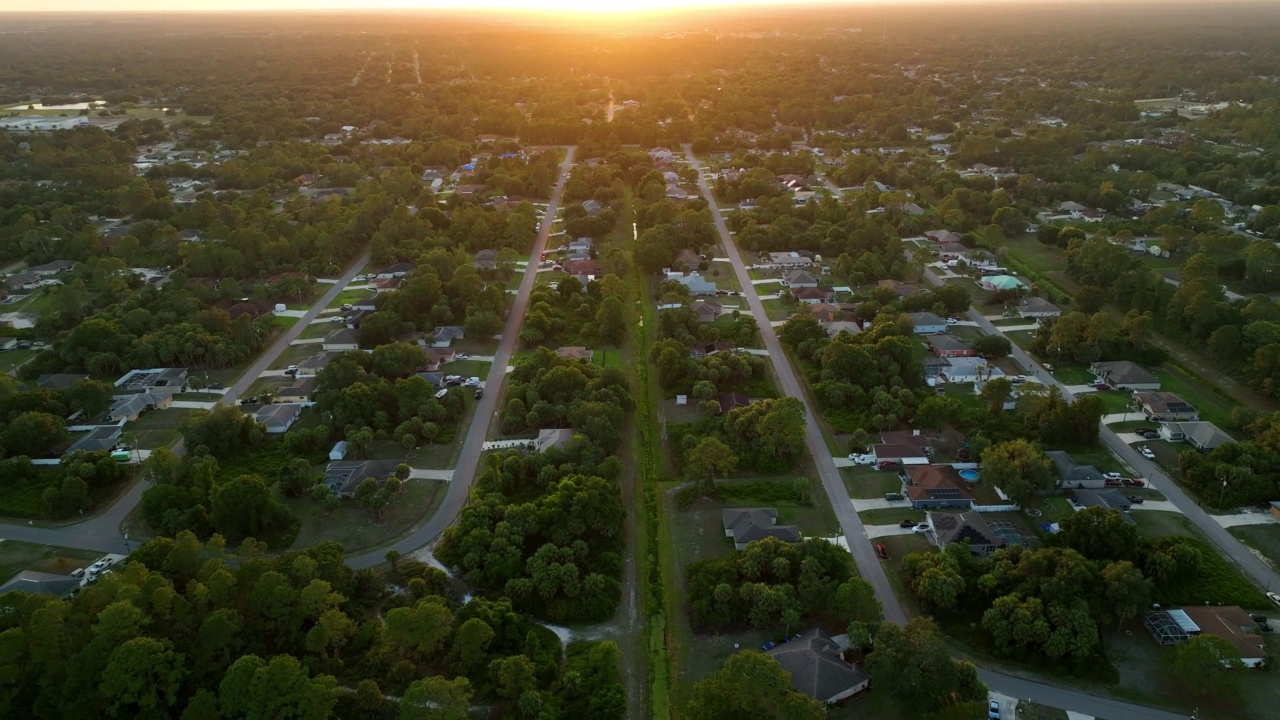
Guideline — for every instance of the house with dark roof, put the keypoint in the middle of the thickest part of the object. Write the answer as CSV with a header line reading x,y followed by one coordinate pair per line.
x,y
814,295
900,288
1073,475
948,346
586,266
1203,436
1166,406
342,477
964,527
278,417
790,259
931,487
486,260
443,337
575,353
1037,307
800,279
706,310
708,349
927,323
818,669
698,285
1106,499
103,437
435,357
299,391
1125,375
56,267
41,583
166,380
316,363
747,525
127,408
23,281
342,339
397,270
731,400
1234,625
942,236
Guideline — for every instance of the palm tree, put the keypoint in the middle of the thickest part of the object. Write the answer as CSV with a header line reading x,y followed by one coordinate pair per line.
x,y
393,556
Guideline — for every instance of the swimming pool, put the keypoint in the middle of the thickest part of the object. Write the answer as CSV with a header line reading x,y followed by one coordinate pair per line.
x,y
969,475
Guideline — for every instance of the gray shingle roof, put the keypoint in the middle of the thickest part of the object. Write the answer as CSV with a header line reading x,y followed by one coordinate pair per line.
x,y
816,668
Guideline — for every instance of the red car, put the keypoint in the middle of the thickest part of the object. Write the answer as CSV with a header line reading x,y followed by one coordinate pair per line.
x,y
1113,483
1134,482
882,551
1101,386
887,465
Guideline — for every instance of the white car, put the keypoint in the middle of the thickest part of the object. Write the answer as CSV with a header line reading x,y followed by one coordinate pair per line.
x,y
97,567
1016,379
1112,476
1273,597
920,528
471,382
1146,453
860,459
461,356
952,321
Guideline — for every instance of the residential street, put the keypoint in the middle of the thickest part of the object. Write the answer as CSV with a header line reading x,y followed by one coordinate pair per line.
x,y
468,462
855,534
1079,702
103,531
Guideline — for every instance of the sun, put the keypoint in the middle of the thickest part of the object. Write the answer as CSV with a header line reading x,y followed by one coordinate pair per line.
x,y
579,7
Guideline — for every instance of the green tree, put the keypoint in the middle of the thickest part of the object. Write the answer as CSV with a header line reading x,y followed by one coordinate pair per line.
x,y
258,690
912,664
995,393
142,679
611,321
244,507
419,630
1127,591
1206,666
709,458
1018,468
751,684
1099,534
436,698
34,434
992,346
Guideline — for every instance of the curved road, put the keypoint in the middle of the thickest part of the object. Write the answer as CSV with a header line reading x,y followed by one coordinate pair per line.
x,y
102,532
468,462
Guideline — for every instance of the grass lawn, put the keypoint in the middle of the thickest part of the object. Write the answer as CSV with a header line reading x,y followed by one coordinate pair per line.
x,y
1263,538
863,482
900,546
965,332
353,528
319,329
1100,458
1073,375
1157,523
351,297
295,354
1115,401
779,309
11,359
17,556
37,303
1053,509
466,368
608,358
1212,406
284,322
156,428
1013,322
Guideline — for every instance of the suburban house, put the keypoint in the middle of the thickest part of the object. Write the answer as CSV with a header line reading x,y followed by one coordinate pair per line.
x,y
926,323
344,476
1203,436
592,207
580,249
279,417
964,527
583,266
707,310
41,583
57,267
23,281
970,370
1001,282
1072,474
549,438
342,339
1124,375
814,295
698,285
708,349
902,453
1105,499
435,357
790,259
729,401
799,279
575,353
316,363
486,260
434,378
59,381
818,669
1231,624
443,337
1166,406
911,208
950,347
299,391
942,236
936,486
827,312
397,270
835,328
746,525
1038,307
900,288
910,438
103,437
165,380
127,408
953,251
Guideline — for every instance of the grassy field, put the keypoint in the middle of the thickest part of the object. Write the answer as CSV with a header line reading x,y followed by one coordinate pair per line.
x,y
12,359
1073,375
779,309
863,482
466,368
353,528
319,329
156,428
1263,538
1157,523
351,297
1212,406
17,556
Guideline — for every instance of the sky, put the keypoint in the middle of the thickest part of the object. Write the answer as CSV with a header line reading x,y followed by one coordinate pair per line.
x,y
588,6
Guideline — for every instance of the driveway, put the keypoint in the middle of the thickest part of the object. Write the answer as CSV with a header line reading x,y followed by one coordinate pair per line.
x,y
869,566
1249,517
1071,700
860,504
879,531
1161,505
425,474
469,459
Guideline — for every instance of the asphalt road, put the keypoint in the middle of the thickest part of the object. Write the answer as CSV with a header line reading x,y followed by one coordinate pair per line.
x,y
1072,700
102,532
850,524
468,462
1245,559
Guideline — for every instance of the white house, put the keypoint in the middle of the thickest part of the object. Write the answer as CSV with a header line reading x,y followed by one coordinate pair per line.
x,y
927,323
970,370
40,124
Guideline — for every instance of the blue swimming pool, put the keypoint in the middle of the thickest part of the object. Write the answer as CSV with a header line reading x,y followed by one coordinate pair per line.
x,y
969,475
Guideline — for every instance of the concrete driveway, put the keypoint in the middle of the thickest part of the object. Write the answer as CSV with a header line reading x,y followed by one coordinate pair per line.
x,y
860,504
878,531
1161,505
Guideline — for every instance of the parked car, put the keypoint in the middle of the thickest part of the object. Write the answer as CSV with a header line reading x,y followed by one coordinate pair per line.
x,y
893,497
1274,598
461,356
886,465
882,551
993,710
291,372
922,527
861,459
1018,379
1112,476
1134,482
1148,434
1146,453
479,393
1113,483
1264,624
346,306
907,523
97,567
1135,499
77,573
214,386
1101,386
471,382
248,400
952,321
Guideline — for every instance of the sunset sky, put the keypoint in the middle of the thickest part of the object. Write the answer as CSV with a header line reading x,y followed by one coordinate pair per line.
x,y
525,5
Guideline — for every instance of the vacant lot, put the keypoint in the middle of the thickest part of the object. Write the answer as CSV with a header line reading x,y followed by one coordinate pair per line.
x,y
863,482
355,529
1263,538
1212,407
1157,523
156,428
18,556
